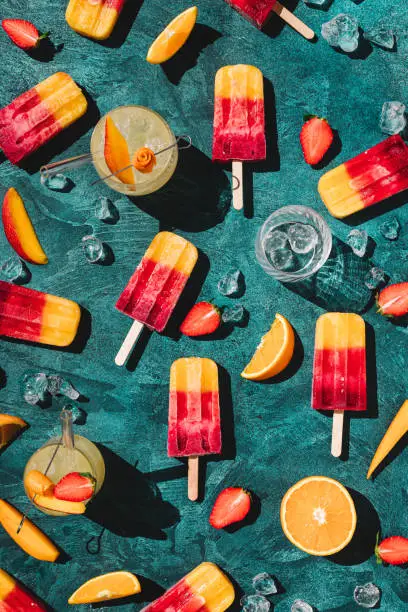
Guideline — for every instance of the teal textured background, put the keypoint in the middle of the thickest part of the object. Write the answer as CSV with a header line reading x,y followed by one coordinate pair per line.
x,y
274,438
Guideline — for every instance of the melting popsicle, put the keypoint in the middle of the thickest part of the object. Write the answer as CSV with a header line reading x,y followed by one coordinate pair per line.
x,y
15,598
205,589
239,121
259,11
339,369
38,115
94,19
194,414
27,314
155,287
368,178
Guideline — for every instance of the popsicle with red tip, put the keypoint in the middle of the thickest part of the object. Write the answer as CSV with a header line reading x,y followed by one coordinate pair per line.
x,y
27,314
368,178
205,589
259,11
339,369
194,414
94,19
15,598
38,115
239,121
155,287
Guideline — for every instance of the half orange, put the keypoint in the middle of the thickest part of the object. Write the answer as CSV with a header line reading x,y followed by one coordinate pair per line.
x,y
318,516
108,586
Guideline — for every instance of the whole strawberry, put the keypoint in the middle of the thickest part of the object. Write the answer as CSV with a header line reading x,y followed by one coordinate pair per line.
x,y
23,33
203,319
393,300
316,138
231,506
75,487
393,550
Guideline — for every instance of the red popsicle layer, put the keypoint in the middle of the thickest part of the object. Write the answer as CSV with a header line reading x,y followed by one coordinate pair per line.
x,y
14,597
256,11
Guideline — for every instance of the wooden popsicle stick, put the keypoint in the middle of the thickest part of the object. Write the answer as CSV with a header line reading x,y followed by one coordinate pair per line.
x,y
238,188
293,21
337,433
193,468
128,343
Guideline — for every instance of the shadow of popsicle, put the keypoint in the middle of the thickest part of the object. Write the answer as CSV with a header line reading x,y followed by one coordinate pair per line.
x,y
275,24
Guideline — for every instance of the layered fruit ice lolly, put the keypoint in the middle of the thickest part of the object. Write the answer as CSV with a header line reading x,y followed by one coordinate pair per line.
x,y
155,287
339,369
15,598
368,178
38,115
27,314
94,19
259,11
205,589
239,120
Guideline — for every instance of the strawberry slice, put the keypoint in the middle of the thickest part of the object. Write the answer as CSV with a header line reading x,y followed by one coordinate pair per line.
x,y
393,550
204,318
393,300
316,138
23,33
75,487
231,506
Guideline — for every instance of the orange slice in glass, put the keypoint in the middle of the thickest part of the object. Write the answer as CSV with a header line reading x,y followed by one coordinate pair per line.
x,y
173,37
108,586
318,516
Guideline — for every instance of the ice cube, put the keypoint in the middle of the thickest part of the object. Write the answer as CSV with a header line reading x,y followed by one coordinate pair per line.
x,y
58,182
302,237
301,606
13,269
35,388
393,119
233,314
390,229
56,385
342,31
380,36
318,3
282,259
106,211
368,595
264,584
275,240
374,278
255,603
94,249
78,415
232,284
358,241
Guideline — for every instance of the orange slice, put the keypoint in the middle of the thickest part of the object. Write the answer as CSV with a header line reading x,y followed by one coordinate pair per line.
x,y
173,37
318,516
274,351
108,586
59,505
10,427
37,483
117,153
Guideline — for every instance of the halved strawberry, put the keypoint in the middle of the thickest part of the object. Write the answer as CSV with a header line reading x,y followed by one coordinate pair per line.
x,y
204,318
23,33
75,487
393,300
316,137
231,506
393,550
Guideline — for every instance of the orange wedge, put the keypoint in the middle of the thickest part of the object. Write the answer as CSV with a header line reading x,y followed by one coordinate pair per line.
x,y
173,37
37,483
274,351
117,153
10,427
108,586
318,516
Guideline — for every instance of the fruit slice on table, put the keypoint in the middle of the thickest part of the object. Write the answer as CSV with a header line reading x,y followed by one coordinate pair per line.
x,y
393,550
75,487
231,506
318,516
203,319
316,138
108,586
19,230
31,539
273,353
50,502
117,153
37,483
10,427
23,33
397,429
14,597
173,37
393,300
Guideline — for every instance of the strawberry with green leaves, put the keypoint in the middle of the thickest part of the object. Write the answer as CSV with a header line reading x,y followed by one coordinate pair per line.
x,y
75,487
393,300
393,550
316,138
23,33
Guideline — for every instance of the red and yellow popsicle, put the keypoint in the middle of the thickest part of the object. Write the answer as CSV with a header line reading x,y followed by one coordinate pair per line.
x,y
38,115
15,598
94,18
